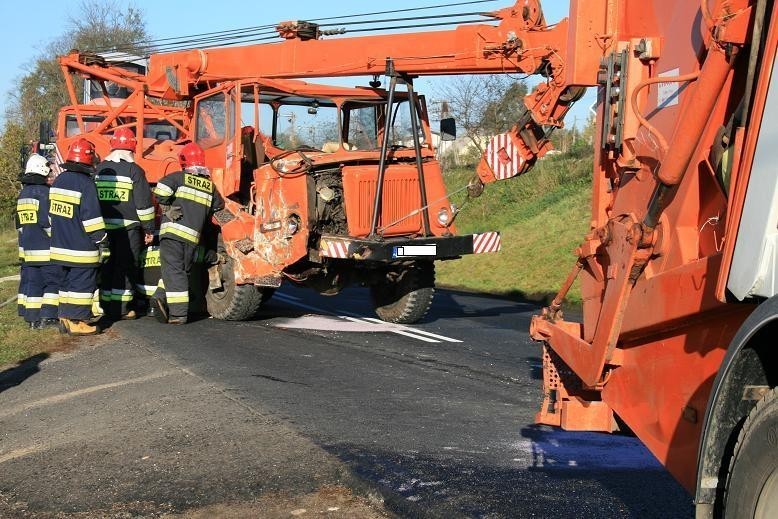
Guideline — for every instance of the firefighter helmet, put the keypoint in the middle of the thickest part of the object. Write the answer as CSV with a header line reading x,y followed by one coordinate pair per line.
x,y
191,155
37,165
123,139
81,151
192,159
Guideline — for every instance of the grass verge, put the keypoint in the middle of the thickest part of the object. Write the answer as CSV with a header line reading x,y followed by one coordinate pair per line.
x,y
543,216
17,341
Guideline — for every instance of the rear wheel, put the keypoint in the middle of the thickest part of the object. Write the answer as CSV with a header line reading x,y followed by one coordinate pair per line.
x,y
233,302
405,294
752,484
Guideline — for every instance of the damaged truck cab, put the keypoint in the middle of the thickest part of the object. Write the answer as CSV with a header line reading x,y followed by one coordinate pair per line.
x,y
326,187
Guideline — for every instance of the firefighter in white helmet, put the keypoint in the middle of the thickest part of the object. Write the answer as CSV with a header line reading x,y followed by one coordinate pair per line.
x,y
39,286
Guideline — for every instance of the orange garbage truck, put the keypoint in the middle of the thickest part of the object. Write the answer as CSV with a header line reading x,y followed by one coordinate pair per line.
x,y
678,270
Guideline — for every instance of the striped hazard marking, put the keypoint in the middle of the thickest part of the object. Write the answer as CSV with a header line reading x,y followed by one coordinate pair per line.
x,y
334,248
487,242
503,157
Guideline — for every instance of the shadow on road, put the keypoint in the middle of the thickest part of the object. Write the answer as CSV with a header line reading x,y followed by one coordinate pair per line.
x,y
452,303
565,472
12,377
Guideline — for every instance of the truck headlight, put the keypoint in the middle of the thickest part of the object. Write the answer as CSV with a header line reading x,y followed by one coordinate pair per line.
x,y
444,217
292,224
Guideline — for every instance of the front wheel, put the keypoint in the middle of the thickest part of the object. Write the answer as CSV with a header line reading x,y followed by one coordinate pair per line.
x,y
233,302
752,484
405,294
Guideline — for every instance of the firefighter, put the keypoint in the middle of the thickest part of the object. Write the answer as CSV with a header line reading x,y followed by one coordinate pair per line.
x,y
79,242
128,212
186,198
39,285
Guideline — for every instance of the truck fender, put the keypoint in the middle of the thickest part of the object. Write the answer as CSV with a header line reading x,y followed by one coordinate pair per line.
x,y
749,366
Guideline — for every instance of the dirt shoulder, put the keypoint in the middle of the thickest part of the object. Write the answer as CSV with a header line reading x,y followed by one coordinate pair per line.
x,y
113,429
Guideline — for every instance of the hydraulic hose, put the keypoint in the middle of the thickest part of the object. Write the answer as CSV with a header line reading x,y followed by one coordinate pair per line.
x,y
643,121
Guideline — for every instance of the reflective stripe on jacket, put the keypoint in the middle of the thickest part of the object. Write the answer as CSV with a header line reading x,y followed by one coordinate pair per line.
x,y
77,225
32,220
197,198
125,195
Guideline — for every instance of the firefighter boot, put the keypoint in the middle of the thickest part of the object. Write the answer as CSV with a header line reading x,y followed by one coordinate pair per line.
x,y
49,323
74,327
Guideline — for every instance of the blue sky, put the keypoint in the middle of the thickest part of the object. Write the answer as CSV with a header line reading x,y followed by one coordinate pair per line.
x,y
25,37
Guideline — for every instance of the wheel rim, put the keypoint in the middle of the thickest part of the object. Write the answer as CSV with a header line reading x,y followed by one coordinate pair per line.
x,y
767,504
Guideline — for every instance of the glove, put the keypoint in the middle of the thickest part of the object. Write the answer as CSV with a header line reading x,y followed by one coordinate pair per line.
x,y
104,252
174,213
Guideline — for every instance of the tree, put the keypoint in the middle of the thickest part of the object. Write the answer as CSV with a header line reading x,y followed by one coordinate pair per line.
x,y
40,91
483,106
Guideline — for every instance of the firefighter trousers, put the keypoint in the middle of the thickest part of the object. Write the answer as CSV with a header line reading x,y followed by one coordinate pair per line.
x,y
76,292
120,274
39,291
177,259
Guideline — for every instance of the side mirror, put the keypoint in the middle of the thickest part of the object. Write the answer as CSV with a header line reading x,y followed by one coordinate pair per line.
x,y
448,129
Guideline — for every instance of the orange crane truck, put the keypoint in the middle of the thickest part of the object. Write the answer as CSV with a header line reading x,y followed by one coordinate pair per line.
x,y
678,271
324,186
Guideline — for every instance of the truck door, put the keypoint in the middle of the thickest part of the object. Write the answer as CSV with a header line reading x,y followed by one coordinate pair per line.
x,y
215,123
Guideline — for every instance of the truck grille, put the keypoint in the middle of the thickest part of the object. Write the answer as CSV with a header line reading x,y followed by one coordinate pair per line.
x,y
400,198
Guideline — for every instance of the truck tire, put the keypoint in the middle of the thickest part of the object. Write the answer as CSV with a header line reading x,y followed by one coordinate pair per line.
x,y
235,302
406,295
752,483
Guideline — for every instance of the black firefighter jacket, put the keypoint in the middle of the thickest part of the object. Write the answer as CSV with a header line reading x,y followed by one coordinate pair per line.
x,y
32,220
76,222
125,196
197,198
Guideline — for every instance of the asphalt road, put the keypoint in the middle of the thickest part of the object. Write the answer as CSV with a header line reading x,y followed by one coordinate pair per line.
x,y
313,408
438,416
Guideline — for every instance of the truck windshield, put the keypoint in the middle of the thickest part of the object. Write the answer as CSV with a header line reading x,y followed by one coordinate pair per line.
x,y
309,124
361,125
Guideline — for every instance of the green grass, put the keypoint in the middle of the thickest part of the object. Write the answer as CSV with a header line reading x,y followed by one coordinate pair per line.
x,y
543,216
17,341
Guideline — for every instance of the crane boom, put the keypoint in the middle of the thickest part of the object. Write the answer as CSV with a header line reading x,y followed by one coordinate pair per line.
x,y
520,42
567,54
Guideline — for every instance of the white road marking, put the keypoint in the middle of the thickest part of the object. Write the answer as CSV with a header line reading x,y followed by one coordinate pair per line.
x,y
373,325
330,323
423,332
391,329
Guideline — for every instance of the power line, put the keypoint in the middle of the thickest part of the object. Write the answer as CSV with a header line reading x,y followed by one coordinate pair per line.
x,y
409,18
439,6
170,44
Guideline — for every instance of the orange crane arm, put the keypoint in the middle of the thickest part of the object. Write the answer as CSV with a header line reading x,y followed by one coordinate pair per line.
x,y
567,54
519,43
